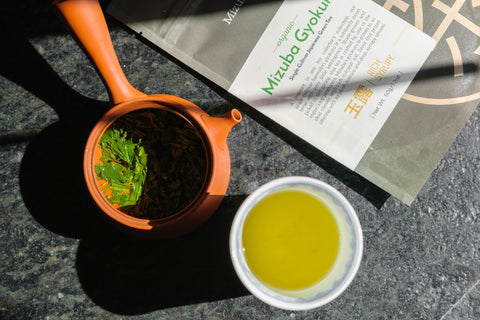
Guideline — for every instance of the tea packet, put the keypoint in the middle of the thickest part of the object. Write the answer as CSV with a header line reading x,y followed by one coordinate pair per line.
x,y
383,87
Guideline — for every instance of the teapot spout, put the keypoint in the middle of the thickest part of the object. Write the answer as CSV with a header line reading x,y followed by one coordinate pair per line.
x,y
231,118
220,126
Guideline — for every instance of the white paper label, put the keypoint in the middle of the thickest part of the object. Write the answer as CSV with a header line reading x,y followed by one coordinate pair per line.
x,y
332,71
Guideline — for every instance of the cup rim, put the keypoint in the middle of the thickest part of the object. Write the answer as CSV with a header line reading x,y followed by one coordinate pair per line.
x,y
263,292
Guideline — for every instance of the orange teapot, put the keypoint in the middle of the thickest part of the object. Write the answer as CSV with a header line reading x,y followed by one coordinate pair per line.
x,y
87,25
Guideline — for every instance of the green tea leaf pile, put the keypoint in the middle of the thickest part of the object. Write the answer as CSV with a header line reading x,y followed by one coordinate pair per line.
x,y
173,175
123,167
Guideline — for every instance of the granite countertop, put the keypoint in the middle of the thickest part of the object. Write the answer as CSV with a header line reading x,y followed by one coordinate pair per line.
x,y
59,259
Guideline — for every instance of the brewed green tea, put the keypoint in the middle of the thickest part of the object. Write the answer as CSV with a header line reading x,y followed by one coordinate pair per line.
x,y
290,239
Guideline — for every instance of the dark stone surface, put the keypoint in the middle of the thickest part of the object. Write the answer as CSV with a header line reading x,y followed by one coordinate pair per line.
x,y
59,259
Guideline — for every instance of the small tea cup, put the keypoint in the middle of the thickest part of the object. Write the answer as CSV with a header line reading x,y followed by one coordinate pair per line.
x,y
340,274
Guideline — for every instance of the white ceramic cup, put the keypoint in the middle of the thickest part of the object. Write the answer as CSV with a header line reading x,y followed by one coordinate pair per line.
x,y
346,264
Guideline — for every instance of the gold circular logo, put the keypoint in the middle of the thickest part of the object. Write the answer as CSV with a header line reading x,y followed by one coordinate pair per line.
x,y
454,60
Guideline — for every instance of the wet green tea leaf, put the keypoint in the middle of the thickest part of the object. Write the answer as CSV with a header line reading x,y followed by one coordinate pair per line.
x,y
124,167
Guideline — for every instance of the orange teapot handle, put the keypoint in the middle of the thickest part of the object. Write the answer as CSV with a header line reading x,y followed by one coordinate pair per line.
x,y
87,25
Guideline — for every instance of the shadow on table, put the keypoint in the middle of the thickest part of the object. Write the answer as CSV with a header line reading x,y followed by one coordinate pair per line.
x,y
132,276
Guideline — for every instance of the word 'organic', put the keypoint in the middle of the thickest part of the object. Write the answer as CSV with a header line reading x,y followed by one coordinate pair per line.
x,y
301,35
